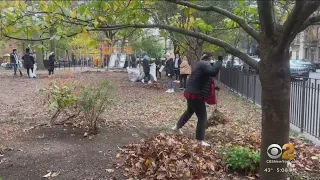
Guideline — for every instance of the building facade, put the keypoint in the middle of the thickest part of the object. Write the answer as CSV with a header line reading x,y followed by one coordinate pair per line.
x,y
307,45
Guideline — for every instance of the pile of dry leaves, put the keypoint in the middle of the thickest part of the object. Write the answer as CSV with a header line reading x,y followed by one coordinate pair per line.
x,y
170,157
307,157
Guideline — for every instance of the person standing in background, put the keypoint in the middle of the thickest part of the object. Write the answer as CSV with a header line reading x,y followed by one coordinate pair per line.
x,y
170,71
15,63
52,60
146,69
177,63
185,70
28,62
158,65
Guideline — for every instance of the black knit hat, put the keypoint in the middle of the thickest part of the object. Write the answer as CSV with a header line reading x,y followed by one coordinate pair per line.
x,y
206,54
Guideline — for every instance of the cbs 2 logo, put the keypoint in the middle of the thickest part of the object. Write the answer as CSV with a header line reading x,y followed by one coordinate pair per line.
x,y
274,151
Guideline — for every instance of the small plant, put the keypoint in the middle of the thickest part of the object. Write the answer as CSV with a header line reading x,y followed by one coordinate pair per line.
x,y
242,160
93,101
61,99
80,103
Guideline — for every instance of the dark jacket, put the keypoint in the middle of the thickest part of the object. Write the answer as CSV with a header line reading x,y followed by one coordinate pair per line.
x,y
201,78
12,59
179,62
52,59
158,62
145,65
170,67
28,60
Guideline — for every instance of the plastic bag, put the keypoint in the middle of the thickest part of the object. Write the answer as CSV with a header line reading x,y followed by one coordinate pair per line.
x,y
33,74
153,72
161,68
133,74
141,76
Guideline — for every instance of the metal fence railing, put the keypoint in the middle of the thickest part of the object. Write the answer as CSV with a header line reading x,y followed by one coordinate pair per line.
x,y
304,103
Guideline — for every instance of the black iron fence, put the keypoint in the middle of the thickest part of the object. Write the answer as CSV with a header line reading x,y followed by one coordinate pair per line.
x,y
305,97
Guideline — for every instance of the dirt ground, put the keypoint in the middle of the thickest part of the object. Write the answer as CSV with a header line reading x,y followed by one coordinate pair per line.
x,y
31,148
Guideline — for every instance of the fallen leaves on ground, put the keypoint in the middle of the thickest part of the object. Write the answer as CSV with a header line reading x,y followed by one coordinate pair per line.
x,y
170,157
307,157
145,105
51,174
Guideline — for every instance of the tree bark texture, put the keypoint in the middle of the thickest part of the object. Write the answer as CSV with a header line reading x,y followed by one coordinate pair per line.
x,y
274,72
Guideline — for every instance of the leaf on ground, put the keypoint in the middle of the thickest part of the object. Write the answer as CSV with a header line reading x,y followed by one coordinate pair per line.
x,y
47,175
55,174
109,170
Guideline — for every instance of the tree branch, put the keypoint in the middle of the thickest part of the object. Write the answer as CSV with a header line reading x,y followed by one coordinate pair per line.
x,y
43,39
227,47
301,12
310,21
242,23
266,16
290,22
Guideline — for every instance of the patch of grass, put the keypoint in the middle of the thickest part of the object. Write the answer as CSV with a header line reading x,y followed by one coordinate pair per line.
x,y
296,134
1,178
164,127
159,100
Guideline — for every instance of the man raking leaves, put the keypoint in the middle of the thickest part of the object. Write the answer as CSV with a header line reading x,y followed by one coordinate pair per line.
x,y
198,91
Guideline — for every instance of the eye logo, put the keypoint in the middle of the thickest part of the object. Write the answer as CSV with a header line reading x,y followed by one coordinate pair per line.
x,y
274,151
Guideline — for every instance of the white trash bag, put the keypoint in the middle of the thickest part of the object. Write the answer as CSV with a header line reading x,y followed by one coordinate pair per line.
x,y
133,74
33,74
141,76
153,74
161,68
140,68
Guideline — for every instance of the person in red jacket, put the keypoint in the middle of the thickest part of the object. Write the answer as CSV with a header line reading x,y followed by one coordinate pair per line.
x,y
199,90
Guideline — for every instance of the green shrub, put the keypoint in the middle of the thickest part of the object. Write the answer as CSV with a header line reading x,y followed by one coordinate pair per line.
x,y
242,159
80,103
61,99
93,101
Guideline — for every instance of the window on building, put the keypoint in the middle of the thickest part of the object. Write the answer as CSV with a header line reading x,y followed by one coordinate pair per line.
x,y
297,54
306,53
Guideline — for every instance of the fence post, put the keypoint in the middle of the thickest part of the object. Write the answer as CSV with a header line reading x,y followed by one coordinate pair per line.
x,y
254,88
303,105
247,94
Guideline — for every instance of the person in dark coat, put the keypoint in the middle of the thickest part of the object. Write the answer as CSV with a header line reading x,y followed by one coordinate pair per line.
x,y
28,61
158,65
146,69
52,60
133,61
198,91
170,71
177,63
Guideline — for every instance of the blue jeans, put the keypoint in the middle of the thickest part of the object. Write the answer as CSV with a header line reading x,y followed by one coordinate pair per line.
x,y
170,83
15,67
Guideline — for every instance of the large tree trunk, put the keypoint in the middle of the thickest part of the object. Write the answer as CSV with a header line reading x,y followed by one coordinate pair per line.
x,y
274,72
38,52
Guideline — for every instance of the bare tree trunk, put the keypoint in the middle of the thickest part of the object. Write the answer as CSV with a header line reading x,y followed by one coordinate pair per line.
x,y
274,72
38,52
